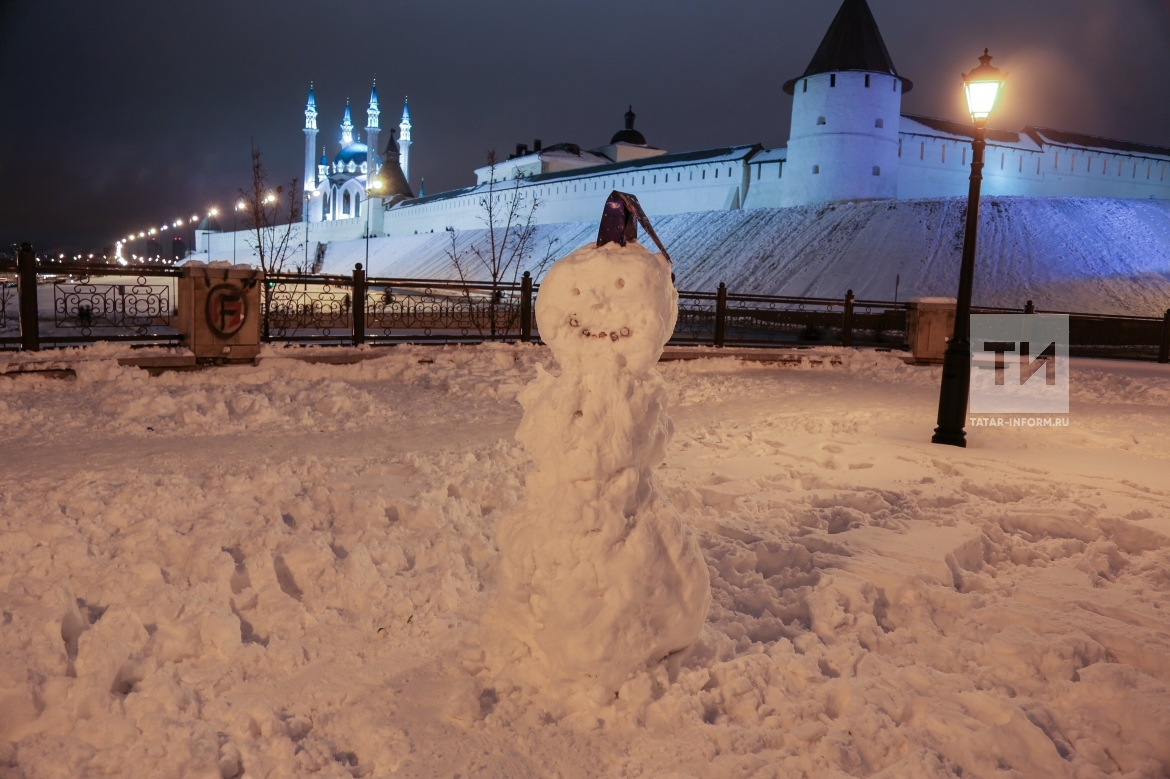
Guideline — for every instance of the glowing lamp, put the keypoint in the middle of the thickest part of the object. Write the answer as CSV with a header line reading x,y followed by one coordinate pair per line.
x,y
213,212
982,86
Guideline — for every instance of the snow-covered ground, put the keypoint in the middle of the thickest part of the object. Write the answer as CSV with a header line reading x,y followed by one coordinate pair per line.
x,y
1095,255
277,571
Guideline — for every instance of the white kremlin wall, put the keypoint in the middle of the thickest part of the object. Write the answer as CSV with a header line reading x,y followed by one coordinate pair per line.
x,y
1074,254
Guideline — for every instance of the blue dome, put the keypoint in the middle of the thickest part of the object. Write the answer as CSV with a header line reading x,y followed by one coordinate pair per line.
x,y
355,153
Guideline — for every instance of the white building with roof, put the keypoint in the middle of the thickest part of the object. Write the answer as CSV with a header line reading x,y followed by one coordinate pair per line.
x,y
848,141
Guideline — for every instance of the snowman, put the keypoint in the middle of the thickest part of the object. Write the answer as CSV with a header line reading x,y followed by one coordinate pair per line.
x,y
598,577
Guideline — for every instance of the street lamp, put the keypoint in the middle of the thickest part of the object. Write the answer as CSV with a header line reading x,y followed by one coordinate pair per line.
x,y
239,207
308,198
374,188
982,86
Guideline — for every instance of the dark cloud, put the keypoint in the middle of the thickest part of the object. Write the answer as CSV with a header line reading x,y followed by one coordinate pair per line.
x,y
132,112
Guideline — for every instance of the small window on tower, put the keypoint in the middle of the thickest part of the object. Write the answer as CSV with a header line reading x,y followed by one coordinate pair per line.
x,y
877,171
832,79
816,168
345,204
867,81
805,87
878,122
820,120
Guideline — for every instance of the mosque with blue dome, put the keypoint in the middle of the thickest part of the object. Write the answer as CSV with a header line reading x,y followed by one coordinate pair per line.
x,y
337,189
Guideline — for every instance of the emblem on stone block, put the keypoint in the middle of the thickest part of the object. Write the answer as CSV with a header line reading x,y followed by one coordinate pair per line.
x,y
227,310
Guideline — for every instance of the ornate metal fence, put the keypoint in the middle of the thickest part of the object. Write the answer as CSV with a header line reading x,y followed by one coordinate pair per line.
x,y
880,323
308,308
9,319
410,309
98,303
726,319
1122,337
91,303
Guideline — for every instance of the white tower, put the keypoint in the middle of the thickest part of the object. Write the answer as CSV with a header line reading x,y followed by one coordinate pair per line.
x,y
843,144
372,130
404,139
310,179
346,127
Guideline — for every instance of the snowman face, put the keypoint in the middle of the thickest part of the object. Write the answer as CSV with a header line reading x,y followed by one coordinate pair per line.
x,y
610,304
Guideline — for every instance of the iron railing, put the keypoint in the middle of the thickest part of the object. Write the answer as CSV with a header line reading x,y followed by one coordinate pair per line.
x,y
307,308
91,303
443,311
139,307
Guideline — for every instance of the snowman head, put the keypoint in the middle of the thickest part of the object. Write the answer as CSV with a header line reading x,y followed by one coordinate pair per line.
x,y
608,305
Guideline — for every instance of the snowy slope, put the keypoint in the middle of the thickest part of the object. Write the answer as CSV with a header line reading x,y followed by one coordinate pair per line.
x,y
1079,254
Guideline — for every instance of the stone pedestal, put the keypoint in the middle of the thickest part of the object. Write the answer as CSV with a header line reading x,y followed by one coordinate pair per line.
x,y
219,311
932,320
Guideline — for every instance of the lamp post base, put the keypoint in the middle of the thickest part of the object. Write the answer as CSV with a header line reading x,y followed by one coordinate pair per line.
x,y
949,437
952,405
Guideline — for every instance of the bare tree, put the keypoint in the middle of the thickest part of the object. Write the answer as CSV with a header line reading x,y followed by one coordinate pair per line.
x,y
270,214
509,215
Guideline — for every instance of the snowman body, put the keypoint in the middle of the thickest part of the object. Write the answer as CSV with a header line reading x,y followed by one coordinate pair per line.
x,y
598,577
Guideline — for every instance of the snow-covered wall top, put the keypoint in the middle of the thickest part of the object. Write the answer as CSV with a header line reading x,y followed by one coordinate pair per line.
x,y
1077,254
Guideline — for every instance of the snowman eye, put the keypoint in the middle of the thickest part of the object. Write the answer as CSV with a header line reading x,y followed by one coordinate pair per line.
x,y
576,291
620,283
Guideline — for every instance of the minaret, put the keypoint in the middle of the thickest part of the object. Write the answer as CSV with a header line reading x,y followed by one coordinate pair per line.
x,y
310,179
372,130
404,139
843,143
346,127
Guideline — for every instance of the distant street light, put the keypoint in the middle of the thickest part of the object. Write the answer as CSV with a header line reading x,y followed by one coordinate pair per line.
x,y
373,189
982,86
239,207
308,198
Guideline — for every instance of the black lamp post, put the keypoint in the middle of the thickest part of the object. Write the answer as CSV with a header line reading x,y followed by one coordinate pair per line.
x,y
982,87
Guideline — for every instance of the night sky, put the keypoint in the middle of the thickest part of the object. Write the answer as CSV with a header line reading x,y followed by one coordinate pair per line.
x,y
121,115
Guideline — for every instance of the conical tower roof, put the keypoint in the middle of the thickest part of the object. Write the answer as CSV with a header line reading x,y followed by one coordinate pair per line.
x,y
852,42
394,183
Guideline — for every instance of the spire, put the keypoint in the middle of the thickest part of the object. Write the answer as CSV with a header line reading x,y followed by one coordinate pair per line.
x,y
404,138
852,42
347,126
630,115
311,110
373,111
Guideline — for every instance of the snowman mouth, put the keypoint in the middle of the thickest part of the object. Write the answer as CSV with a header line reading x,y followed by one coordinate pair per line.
x,y
612,334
